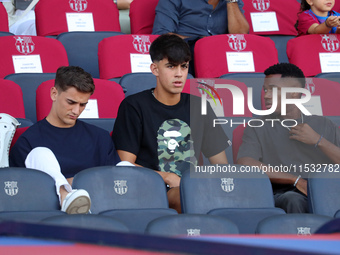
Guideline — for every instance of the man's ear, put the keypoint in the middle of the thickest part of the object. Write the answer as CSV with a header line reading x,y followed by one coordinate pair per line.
x,y
54,93
154,69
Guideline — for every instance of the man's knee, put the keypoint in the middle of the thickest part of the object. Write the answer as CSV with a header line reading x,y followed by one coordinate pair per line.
x,y
292,202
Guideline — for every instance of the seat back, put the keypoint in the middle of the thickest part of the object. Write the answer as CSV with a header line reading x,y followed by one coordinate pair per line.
x,y
122,187
142,15
108,96
3,19
82,49
229,189
11,100
323,191
281,45
21,192
29,83
88,221
292,223
271,17
54,17
191,225
221,54
30,54
315,53
122,54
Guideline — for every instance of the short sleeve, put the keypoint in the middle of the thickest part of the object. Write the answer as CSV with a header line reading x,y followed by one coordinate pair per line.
x,y
250,146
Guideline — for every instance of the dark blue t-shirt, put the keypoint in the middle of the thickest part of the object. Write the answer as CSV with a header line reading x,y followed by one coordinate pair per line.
x,y
77,148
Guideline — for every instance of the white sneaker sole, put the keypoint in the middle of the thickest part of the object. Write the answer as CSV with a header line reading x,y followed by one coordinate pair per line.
x,y
80,205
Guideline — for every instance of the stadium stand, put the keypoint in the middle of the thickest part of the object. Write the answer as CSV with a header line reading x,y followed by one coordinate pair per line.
x,y
191,225
315,53
323,189
142,16
122,54
30,54
3,19
244,198
54,17
82,49
87,221
106,100
133,195
293,223
221,54
22,199
29,83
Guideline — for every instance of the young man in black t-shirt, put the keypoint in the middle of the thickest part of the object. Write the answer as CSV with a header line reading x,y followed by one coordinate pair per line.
x,y
153,129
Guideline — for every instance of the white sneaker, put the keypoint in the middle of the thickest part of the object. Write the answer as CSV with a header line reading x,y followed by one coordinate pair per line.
x,y
77,202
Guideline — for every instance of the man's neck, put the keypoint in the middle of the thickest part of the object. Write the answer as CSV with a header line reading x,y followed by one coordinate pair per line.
x,y
293,113
167,98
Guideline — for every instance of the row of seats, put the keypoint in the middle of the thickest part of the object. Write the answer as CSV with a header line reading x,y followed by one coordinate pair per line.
x,y
245,199
27,97
109,55
54,16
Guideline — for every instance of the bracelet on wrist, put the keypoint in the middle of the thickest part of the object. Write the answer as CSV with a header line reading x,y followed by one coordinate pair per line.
x,y
316,145
296,181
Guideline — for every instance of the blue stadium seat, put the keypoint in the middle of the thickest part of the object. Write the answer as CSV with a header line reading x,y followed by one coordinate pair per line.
x,y
27,195
293,223
88,221
29,82
191,225
82,48
134,195
244,197
323,191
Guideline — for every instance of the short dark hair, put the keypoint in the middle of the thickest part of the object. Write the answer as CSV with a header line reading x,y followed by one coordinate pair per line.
x,y
172,47
74,76
287,70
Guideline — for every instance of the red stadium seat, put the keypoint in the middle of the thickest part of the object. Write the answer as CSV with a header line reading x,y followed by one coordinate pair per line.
x,y
315,53
3,19
109,95
142,16
52,16
11,99
30,54
246,53
114,54
271,17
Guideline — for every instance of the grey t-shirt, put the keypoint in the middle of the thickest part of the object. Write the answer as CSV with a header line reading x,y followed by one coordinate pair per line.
x,y
271,145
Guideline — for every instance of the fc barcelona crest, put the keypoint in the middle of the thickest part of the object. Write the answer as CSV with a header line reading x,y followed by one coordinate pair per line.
x,y
310,85
303,231
227,184
330,42
120,187
237,42
11,188
141,43
78,5
261,5
24,44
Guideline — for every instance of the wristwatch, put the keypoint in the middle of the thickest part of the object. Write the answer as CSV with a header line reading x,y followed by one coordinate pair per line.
x,y
232,1
115,1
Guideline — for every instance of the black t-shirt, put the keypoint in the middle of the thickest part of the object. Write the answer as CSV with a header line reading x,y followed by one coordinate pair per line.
x,y
77,148
161,136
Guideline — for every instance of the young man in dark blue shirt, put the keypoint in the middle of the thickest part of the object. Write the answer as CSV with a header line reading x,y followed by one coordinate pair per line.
x,y
61,145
